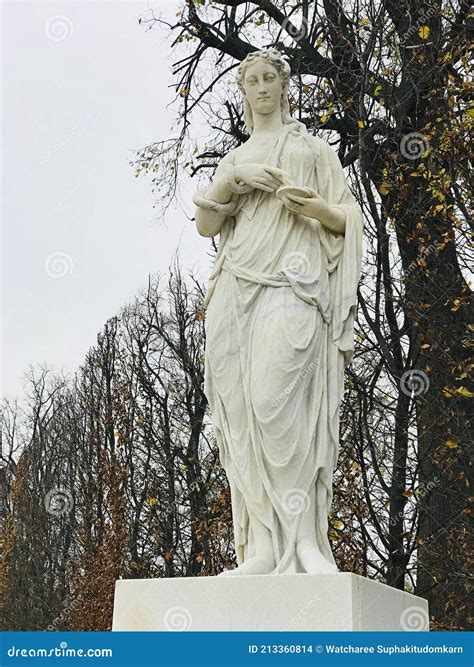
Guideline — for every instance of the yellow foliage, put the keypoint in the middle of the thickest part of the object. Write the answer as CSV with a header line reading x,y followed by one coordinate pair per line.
x,y
464,391
457,303
424,32
450,392
452,444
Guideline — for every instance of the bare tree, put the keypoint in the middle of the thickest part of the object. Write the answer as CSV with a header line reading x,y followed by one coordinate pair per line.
x,y
114,472
388,82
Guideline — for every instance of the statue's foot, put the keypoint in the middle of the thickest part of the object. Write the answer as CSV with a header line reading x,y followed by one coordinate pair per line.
x,y
254,565
313,560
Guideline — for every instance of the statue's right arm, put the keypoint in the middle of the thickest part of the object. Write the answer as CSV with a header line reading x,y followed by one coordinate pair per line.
x,y
211,216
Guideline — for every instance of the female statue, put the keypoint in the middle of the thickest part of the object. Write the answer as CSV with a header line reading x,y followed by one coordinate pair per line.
x,y
280,311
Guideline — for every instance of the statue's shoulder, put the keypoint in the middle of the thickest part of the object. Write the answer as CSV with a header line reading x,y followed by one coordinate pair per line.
x,y
320,145
326,151
241,148
225,160
228,157
318,141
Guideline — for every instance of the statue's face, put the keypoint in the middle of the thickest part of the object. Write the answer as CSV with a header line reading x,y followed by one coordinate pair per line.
x,y
263,87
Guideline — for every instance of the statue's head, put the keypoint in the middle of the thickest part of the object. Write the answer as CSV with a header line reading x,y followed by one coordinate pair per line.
x,y
270,67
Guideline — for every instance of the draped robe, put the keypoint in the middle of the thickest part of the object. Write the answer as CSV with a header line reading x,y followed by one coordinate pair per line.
x,y
280,309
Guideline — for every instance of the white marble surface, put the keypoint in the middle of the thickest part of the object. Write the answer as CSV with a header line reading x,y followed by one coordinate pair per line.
x,y
283,602
280,310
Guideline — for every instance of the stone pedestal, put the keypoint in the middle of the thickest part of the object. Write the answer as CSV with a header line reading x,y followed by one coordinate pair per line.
x,y
285,602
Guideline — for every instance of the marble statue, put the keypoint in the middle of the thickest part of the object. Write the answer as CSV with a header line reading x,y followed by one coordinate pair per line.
x,y
280,308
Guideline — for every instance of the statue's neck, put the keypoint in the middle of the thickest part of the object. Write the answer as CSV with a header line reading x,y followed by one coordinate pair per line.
x,y
270,123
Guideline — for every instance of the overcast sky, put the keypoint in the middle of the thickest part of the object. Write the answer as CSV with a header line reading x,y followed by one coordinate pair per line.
x,y
83,86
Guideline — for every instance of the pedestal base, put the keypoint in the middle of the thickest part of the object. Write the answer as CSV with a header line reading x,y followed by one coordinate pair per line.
x,y
285,602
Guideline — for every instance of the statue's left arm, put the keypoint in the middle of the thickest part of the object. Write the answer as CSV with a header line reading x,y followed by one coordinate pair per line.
x,y
332,215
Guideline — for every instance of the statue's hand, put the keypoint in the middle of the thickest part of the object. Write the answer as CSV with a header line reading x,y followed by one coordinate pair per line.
x,y
312,204
260,176
315,206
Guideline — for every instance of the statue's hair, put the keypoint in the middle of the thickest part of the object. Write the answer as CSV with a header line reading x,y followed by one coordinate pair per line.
x,y
277,59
